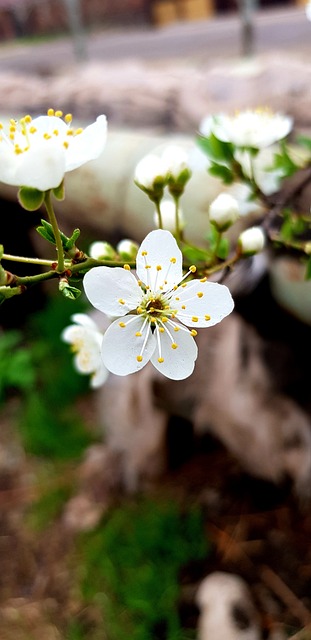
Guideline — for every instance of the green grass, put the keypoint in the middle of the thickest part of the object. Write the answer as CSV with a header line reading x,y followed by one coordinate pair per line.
x,y
129,569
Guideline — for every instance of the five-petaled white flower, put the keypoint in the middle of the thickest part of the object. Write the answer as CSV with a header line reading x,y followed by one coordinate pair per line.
x,y
38,152
154,311
86,340
256,128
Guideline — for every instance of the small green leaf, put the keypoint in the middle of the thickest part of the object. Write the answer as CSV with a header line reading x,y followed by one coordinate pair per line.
x,y
222,172
215,149
46,231
305,141
68,243
30,199
72,293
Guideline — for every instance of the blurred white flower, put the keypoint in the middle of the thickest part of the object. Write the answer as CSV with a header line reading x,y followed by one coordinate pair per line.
x,y
224,211
176,161
150,172
127,249
251,241
37,152
257,128
100,250
86,341
259,168
155,310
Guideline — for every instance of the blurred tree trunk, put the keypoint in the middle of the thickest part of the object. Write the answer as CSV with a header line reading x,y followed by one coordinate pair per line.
x,y
76,28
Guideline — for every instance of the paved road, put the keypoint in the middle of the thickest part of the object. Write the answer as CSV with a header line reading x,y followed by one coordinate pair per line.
x,y
282,30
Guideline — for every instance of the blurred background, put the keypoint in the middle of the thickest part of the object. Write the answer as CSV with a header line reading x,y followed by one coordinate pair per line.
x,y
82,558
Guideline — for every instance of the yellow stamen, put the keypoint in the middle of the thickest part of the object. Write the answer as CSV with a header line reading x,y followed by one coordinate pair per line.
x,y
161,329
176,328
28,119
32,130
127,267
66,144
203,280
56,132
195,319
138,334
160,360
78,131
173,260
193,332
200,294
207,317
183,306
59,114
174,345
192,268
47,136
121,301
139,358
122,325
51,112
159,267
68,117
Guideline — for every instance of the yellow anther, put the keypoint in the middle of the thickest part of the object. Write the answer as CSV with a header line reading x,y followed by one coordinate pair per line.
x,y
78,131
174,345
28,119
59,114
160,360
13,122
12,128
173,260
183,306
207,318
176,329
139,358
56,132
147,266
17,150
122,325
121,301
47,136
11,136
139,310
184,285
1,125
195,319
200,294
138,334
203,280
151,309
165,281
177,298
192,268
193,332
164,319
69,132
68,117
161,329
144,253
159,267
51,112
32,130
127,267
66,144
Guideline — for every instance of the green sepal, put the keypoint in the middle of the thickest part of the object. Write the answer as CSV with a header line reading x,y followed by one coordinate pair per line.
x,y
30,199
68,243
72,293
59,192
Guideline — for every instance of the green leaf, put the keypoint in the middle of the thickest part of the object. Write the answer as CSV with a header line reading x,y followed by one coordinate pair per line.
x,y
72,293
222,172
308,269
46,231
30,199
305,141
284,162
68,243
215,149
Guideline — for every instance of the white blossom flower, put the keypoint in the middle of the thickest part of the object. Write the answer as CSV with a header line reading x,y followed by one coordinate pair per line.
x,y
251,241
224,211
257,128
38,152
86,341
154,311
168,213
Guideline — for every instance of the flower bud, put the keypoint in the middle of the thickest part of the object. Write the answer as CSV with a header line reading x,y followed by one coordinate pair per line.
x,y
150,173
175,159
224,211
101,251
127,249
251,241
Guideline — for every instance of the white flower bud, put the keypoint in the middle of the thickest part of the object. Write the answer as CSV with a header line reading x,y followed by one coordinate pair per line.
x,y
168,210
175,160
150,171
101,251
251,241
224,211
127,249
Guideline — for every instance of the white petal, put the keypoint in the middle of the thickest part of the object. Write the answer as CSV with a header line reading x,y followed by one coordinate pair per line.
x,y
179,362
87,145
163,260
113,290
42,166
121,346
202,310
99,377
